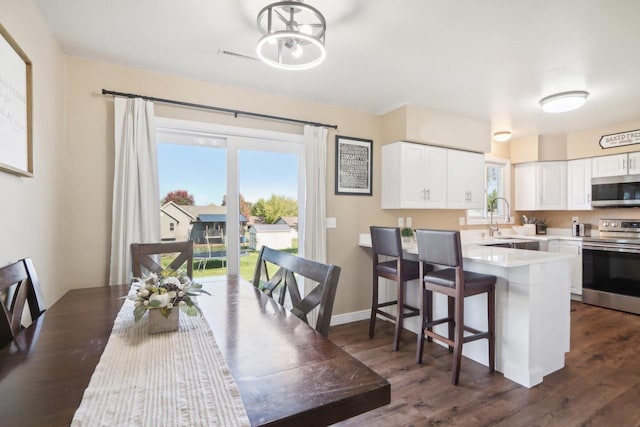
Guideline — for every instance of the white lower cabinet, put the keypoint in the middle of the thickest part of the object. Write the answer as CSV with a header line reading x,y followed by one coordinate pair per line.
x,y
572,247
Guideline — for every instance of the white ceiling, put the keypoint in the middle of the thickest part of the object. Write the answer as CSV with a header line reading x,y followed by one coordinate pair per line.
x,y
490,60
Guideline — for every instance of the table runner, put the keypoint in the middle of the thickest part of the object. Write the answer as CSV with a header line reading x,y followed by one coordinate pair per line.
x,y
168,379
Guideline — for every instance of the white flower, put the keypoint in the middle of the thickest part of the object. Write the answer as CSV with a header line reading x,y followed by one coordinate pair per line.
x,y
163,299
170,305
182,303
151,279
181,294
137,303
145,302
144,292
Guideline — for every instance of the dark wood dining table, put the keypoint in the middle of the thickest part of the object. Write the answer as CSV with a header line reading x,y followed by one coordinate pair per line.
x,y
287,373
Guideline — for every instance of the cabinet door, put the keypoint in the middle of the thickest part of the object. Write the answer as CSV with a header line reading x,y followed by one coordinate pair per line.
x,y
435,172
465,180
573,248
552,185
615,165
633,165
413,170
579,184
526,187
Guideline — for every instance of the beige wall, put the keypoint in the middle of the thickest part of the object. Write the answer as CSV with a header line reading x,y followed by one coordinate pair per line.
x,y
90,162
586,143
32,210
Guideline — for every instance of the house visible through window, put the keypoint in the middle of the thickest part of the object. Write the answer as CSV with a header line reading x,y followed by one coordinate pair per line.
x,y
497,180
170,226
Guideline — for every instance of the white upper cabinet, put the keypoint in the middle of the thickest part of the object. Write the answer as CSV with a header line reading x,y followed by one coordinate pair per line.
x,y
610,165
579,184
616,165
541,186
413,176
633,166
465,180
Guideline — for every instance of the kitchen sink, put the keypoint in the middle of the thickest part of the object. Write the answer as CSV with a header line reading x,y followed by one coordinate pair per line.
x,y
531,245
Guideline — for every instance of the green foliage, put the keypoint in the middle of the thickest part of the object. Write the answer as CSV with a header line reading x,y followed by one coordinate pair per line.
x,y
406,232
491,200
275,207
179,197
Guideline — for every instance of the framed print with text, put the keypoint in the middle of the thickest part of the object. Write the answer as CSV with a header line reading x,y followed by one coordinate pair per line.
x,y
16,145
354,166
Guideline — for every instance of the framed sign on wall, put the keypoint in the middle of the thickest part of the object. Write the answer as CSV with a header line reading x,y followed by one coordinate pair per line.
x,y
354,166
16,145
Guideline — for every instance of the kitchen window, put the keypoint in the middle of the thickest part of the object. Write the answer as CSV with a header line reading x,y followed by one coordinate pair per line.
x,y
497,184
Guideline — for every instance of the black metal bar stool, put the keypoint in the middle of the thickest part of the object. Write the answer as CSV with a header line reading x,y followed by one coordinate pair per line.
x,y
386,241
443,248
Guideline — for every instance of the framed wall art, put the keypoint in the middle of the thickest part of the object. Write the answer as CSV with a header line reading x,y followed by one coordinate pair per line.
x,y
16,145
354,166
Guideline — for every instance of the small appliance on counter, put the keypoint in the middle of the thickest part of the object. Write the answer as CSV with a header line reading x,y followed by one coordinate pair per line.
x,y
581,230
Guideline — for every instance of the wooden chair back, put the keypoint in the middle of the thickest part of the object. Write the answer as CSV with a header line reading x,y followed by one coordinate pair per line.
x,y
145,260
18,286
283,283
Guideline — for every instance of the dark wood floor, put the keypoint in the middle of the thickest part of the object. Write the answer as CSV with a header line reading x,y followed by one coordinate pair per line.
x,y
599,386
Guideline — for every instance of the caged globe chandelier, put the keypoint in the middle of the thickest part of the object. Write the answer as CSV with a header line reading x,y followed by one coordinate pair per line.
x,y
293,35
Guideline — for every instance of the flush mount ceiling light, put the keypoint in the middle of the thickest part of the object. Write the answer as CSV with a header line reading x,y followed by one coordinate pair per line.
x,y
293,35
502,136
565,101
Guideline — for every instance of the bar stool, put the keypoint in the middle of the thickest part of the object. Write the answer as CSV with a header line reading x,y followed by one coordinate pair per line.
x,y
386,241
443,248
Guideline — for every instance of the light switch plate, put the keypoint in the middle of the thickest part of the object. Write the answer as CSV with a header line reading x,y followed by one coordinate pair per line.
x,y
401,222
408,221
331,222
461,220
574,220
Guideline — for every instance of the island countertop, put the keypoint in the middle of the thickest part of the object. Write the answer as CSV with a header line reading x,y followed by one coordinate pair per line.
x,y
478,251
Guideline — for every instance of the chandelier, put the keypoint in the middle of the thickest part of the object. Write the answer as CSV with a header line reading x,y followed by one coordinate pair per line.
x,y
293,35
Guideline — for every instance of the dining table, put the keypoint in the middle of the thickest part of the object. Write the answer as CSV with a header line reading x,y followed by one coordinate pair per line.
x,y
287,373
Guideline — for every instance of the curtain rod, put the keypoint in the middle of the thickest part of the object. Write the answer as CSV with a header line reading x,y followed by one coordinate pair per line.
x,y
236,113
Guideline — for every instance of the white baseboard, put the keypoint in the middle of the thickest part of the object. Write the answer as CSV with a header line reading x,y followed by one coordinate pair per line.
x,y
341,319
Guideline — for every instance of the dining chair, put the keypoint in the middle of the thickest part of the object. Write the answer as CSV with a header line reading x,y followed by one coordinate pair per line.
x,y
282,284
19,285
386,242
145,257
443,248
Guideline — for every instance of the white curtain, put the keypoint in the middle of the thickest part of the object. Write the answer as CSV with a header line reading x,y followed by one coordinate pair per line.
x,y
315,239
136,204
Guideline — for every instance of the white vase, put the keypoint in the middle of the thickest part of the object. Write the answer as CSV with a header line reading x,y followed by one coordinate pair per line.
x,y
159,323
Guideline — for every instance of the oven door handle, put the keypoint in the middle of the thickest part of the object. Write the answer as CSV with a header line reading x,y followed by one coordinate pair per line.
x,y
611,247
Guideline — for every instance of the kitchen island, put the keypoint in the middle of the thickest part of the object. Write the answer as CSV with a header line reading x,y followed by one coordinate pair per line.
x,y
532,308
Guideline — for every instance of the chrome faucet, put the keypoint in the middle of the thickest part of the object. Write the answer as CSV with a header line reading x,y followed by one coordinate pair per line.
x,y
494,204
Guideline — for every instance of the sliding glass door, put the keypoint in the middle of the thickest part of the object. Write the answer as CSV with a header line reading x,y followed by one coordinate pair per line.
x,y
230,193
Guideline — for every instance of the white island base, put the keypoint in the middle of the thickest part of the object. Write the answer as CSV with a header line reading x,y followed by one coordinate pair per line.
x,y
532,320
532,310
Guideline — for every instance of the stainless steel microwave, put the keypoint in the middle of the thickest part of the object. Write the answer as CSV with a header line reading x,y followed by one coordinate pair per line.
x,y
616,191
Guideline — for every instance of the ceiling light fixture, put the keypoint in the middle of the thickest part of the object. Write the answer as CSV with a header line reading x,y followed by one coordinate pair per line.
x,y
293,35
502,136
565,101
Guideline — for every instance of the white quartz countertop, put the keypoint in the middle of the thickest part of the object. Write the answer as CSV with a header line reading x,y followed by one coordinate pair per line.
x,y
497,256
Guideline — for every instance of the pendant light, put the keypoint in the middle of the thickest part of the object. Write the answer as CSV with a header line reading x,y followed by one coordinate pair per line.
x,y
293,35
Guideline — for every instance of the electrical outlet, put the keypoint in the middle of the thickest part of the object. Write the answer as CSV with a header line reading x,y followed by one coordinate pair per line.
x,y
461,220
574,220
401,222
331,222
408,221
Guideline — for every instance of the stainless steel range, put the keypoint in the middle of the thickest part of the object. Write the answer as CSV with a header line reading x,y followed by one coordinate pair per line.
x,y
611,266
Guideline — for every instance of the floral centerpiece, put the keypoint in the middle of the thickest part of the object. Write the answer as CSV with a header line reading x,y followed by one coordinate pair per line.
x,y
166,292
